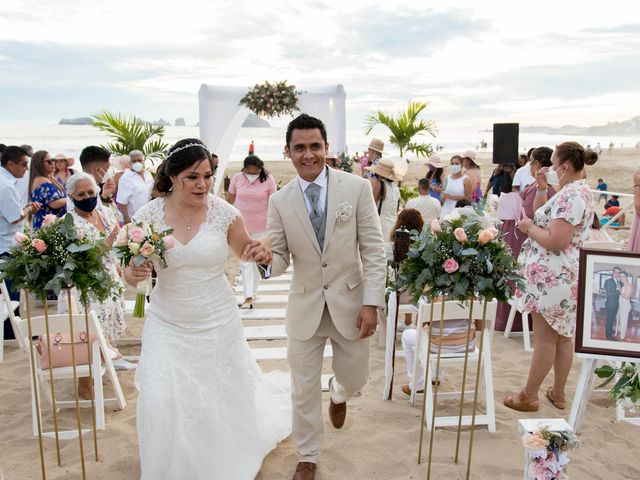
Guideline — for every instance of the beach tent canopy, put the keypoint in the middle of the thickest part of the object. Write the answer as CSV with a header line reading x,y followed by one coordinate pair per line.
x,y
221,117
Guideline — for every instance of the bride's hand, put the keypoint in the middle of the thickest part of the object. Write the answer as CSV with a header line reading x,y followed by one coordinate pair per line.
x,y
134,274
258,251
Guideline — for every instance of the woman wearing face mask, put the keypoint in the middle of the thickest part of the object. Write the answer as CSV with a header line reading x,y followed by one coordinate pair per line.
x,y
99,224
458,187
550,266
249,192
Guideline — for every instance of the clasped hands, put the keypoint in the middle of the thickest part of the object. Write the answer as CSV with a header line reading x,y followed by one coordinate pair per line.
x,y
258,251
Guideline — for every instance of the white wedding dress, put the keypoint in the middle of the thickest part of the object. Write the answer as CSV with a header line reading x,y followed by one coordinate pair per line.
x,y
205,410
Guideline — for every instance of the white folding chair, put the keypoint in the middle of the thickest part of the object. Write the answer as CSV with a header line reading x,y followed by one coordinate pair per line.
x,y
456,311
604,245
526,334
7,307
101,364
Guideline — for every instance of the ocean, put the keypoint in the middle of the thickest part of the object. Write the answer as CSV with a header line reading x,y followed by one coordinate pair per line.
x,y
269,142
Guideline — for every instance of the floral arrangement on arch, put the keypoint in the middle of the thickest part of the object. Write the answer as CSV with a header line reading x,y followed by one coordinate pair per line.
x,y
548,453
626,391
56,257
272,99
460,258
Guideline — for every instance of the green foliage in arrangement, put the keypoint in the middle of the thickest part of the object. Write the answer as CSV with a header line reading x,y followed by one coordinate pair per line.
x,y
344,162
628,385
459,259
56,257
131,133
404,127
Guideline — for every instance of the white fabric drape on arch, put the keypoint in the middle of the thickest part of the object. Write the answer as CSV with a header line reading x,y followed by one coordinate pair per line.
x,y
221,117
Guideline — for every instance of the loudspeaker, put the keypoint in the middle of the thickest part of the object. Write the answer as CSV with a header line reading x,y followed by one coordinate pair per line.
x,y
505,142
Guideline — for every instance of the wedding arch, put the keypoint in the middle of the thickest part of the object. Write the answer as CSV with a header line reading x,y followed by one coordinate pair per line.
x,y
221,117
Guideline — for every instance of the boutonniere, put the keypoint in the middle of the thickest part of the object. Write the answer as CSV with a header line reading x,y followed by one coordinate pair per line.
x,y
344,211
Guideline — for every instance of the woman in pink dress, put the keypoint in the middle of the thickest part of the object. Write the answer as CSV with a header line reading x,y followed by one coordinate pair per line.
x,y
634,239
550,266
249,192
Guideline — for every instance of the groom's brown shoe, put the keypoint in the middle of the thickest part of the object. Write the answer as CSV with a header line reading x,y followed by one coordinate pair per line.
x,y
337,411
305,471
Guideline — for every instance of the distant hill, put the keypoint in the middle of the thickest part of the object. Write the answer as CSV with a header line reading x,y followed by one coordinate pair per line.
x,y
180,122
253,121
76,121
628,127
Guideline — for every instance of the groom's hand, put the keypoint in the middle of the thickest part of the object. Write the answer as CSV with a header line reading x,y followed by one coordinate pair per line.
x,y
367,320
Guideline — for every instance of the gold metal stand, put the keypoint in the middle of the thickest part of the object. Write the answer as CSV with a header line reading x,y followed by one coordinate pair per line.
x,y
464,379
426,370
75,383
51,384
35,385
475,393
93,404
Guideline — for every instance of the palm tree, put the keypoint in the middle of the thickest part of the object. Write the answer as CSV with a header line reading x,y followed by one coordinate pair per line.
x,y
131,133
404,127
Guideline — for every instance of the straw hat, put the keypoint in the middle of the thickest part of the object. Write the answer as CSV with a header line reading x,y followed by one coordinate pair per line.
x,y
70,160
392,168
330,155
471,155
434,160
377,145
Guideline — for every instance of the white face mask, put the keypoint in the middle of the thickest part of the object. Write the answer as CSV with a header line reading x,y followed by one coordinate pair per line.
x,y
252,177
455,168
137,167
552,177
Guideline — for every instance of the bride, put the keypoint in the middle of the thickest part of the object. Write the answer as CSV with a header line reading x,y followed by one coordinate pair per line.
x,y
625,306
205,410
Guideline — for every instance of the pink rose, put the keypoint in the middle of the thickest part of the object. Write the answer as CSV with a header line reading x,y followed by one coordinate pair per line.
x,y
486,235
460,235
169,241
147,250
450,266
20,237
435,226
136,234
39,245
49,219
80,233
535,441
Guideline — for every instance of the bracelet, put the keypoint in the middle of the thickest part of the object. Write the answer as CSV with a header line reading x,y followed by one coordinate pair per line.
x,y
541,192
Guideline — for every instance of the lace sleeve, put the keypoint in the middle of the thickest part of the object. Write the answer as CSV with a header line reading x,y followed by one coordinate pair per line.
x,y
221,214
150,212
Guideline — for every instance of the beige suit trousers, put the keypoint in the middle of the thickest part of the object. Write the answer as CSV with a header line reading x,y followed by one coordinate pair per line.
x,y
350,365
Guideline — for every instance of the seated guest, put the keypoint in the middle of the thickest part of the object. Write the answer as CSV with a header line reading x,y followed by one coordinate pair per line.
x,y
428,206
611,212
134,188
45,189
63,168
99,224
613,202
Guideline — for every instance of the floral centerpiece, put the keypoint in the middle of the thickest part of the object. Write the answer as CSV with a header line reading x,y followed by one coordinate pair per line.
x,y
56,257
142,242
548,453
272,99
461,258
344,162
626,391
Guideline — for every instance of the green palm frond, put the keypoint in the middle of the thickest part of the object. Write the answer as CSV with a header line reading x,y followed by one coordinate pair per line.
x,y
404,127
131,133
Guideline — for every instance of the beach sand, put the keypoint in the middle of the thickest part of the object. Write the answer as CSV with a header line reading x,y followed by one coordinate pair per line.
x,y
380,438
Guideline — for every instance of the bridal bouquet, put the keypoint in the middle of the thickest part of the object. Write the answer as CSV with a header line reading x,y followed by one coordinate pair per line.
x,y
142,242
56,257
548,453
460,258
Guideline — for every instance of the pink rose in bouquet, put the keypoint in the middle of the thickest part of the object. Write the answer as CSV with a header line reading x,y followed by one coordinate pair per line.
x,y
535,441
450,266
136,234
169,241
435,226
460,234
49,219
146,250
19,237
39,245
486,235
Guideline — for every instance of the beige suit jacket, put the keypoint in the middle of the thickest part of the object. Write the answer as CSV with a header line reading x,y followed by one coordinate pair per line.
x,y
351,269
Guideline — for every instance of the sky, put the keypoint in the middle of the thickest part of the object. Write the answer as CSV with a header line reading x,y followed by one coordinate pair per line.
x,y
476,62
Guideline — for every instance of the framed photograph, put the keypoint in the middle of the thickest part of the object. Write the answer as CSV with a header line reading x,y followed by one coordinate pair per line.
x,y
608,321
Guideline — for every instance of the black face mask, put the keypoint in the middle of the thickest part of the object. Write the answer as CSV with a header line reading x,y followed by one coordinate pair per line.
x,y
87,205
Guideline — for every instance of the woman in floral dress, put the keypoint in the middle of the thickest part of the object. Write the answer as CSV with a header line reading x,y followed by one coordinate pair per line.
x,y
550,266
45,189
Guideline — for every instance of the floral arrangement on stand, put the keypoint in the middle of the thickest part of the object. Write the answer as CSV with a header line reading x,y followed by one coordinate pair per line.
x,y
142,242
56,257
345,163
626,391
461,258
548,453
272,99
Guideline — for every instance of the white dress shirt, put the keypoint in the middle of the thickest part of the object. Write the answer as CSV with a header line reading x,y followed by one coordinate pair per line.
x,y
134,191
523,177
10,210
322,181
428,207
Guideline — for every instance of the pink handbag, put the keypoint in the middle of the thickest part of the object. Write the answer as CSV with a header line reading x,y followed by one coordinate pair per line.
x,y
61,349
510,206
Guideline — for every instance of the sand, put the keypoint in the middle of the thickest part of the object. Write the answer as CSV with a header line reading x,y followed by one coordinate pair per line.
x,y
380,438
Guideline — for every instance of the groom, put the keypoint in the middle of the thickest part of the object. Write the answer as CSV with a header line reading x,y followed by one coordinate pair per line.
x,y
612,302
326,221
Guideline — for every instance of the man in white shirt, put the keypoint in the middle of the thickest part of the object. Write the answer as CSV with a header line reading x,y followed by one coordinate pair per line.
x,y
523,178
134,188
428,206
